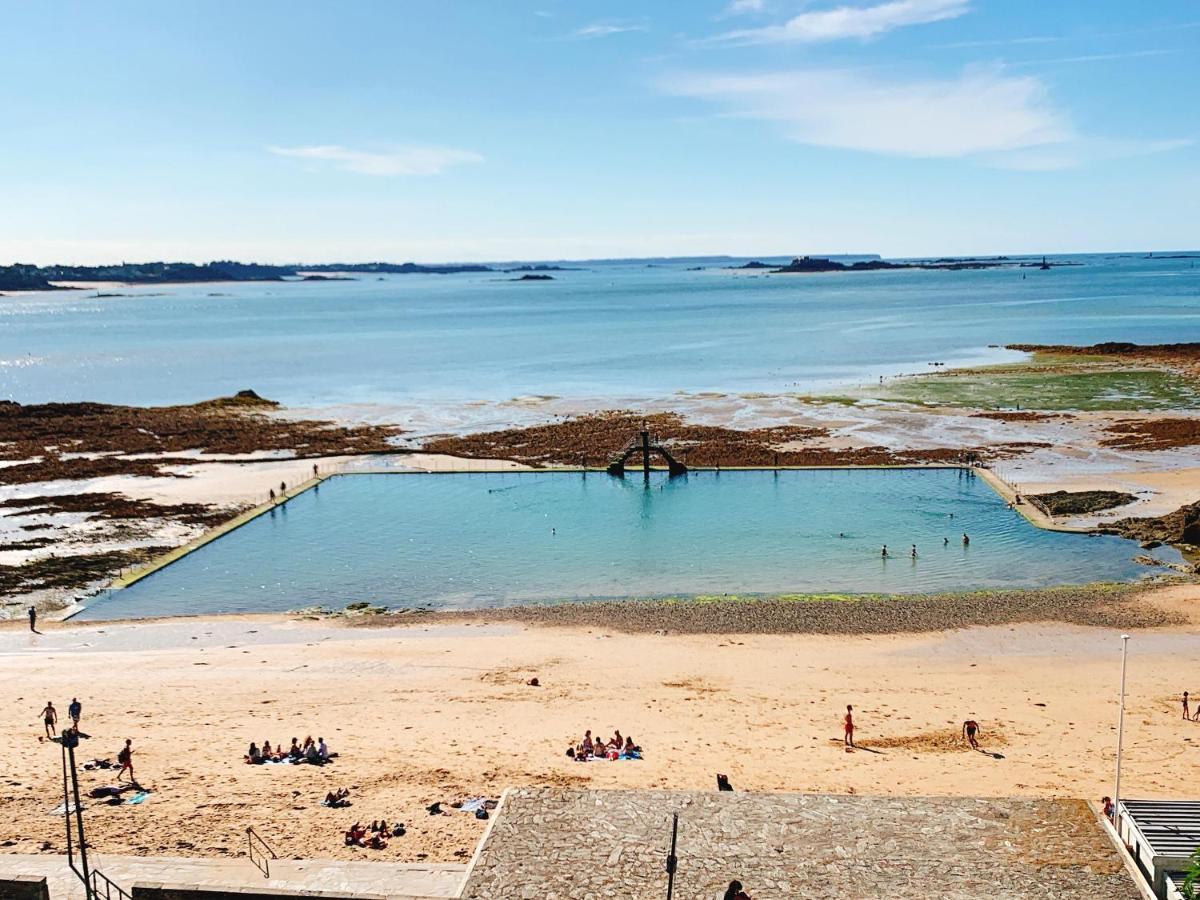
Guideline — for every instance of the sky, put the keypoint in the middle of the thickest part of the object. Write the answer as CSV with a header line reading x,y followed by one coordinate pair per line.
x,y
438,130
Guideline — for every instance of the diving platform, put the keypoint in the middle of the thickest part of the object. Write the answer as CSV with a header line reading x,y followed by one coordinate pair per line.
x,y
642,444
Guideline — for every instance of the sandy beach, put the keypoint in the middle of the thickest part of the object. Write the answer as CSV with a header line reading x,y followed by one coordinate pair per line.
x,y
443,712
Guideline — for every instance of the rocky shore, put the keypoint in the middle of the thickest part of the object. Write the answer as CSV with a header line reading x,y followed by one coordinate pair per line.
x,y
593,438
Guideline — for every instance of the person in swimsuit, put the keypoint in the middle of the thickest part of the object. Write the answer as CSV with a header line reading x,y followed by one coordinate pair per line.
x,y
883,554
50,719
966,540
849,726
75,711
125,758
1186,713
970,729
913,552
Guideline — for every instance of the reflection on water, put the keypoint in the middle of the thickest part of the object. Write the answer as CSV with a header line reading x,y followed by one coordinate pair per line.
x,y
469,540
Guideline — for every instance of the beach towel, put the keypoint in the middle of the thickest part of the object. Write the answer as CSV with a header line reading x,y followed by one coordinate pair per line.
x,y
137,798
63,809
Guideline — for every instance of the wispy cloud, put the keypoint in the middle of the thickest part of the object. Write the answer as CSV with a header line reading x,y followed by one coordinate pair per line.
x,y
402,161
844,22
1083,151
738,7
599,30
981,111
1090,57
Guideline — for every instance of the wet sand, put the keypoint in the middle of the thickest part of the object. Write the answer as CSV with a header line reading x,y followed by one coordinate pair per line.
x,y
431,712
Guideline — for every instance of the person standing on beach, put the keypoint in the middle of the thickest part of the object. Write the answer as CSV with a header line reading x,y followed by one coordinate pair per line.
x,y
33,619
50,719
125,758
849,726
1186,713
75,711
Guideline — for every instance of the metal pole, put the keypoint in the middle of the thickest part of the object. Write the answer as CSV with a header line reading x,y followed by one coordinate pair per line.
x,y
1120,735
672,860
83,860
67,809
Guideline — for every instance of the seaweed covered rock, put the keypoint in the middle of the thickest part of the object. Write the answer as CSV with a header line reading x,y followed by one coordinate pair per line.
x,y
1179,527
1077,503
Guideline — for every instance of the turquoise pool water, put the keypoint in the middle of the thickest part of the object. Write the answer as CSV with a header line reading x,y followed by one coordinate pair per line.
x,y
472,540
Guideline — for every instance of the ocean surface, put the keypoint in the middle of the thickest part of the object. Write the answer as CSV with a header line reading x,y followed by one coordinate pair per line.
x,y
612,330
476,540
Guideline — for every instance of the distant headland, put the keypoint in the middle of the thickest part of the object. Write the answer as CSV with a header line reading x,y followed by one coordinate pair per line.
x,y
23,277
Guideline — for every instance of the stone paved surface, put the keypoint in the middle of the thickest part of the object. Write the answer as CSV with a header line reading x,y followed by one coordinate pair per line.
x,y
551,844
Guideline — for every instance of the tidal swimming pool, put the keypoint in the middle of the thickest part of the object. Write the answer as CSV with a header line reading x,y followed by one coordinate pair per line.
x,y
458,541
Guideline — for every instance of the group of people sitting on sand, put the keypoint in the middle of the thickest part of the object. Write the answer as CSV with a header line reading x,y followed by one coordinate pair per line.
x,y
376,837
616,747
313,752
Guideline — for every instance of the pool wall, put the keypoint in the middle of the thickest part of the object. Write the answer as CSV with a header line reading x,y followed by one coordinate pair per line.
x,y
132,576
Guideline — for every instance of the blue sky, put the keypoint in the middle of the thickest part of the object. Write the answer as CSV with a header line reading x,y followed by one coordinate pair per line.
x,y
482,129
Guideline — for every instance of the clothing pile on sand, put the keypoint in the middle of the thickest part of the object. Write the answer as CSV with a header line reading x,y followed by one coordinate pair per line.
x,y
617,747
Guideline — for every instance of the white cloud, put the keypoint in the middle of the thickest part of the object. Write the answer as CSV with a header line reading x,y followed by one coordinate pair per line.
x,y
737,7
599,30
982,111
404,161
842,22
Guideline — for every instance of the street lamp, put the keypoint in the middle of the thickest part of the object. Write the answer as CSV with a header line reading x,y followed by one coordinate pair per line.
x,y
1120,736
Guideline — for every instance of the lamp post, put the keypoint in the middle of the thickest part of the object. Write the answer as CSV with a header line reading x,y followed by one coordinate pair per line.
x,y
1120,736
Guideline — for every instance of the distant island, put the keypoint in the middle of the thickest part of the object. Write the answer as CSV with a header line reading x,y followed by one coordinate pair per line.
x,y
542,267
807,264
533,278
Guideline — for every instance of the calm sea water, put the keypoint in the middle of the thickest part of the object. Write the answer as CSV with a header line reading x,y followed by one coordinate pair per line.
x,y
457,541
613,331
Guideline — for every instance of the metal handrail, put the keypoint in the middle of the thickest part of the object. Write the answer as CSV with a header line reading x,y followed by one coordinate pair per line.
x,y
260,848
104,887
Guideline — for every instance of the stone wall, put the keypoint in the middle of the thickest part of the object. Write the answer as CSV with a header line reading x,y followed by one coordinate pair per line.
x,y
23,887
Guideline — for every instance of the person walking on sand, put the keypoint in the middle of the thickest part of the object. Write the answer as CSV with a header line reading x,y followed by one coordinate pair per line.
x,y
75,711
50,719
970,729
849,726
1186,713
33,619
125,758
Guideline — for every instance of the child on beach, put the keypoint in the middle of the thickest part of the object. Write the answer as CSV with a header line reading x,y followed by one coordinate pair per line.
x,y
125,758
848,725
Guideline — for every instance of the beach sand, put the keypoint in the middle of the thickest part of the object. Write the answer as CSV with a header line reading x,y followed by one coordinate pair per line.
x,y
435,712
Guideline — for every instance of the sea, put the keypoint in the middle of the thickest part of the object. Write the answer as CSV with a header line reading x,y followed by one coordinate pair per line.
x,y
446,349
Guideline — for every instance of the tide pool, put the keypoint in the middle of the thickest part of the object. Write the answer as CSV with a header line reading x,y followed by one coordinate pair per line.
x,y
476,540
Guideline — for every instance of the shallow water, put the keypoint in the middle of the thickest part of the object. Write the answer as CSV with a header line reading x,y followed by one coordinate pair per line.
x,y
472,540
612,331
